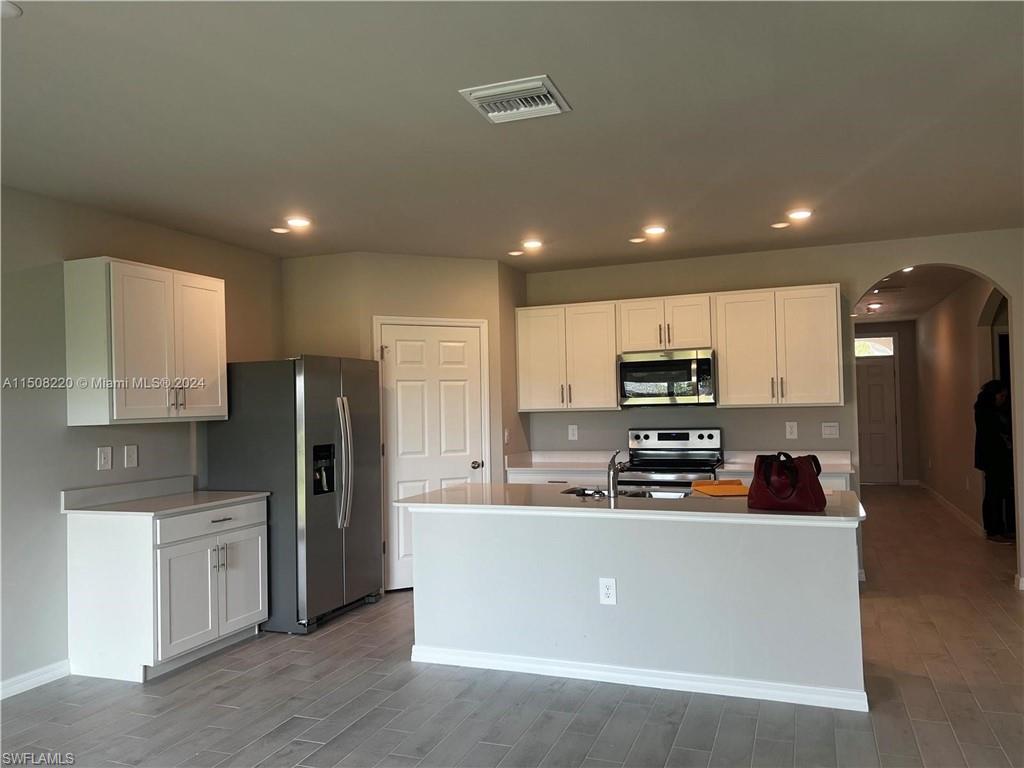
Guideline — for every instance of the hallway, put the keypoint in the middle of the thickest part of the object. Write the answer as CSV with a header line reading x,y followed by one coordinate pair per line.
x,y
943,645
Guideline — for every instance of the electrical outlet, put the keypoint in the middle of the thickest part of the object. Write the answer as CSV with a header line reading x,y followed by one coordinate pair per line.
x,y
791,430
131,456
574,432
606,591
830,430
104,457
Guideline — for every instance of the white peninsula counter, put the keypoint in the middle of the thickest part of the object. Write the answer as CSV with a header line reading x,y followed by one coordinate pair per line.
x,y
709,596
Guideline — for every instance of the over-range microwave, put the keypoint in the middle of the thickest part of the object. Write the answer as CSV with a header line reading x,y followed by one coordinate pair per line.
x,y
670,377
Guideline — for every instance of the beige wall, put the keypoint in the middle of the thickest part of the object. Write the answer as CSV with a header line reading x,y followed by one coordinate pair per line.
x,y
906,352
955,359
330,302
41,456
511,294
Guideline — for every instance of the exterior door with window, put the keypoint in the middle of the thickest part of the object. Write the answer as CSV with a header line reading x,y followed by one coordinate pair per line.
x,y
876,410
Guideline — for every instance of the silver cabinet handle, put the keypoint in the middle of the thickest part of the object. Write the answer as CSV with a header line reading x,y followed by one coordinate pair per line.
x,y
175,391
222,519
570,394
184,401
223,556
215,557
773,387
659,334
782,387
561,395
668,332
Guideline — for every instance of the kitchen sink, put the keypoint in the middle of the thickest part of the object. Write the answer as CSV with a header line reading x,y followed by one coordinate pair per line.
x,y
647,493
583,492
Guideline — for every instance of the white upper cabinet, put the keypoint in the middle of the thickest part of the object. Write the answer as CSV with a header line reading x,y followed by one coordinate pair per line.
x,y
780,347
688,322
142,335
143,343
591,380
676,322
745,348
566,357
200,349
540,345
809,343
641,325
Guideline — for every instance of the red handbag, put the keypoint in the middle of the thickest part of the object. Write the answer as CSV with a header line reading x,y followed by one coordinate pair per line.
x,y
784,484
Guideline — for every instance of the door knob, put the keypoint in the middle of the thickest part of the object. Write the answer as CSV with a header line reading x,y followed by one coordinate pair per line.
x,y
476,464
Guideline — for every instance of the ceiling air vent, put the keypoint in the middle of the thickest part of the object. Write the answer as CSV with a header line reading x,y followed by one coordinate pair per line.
x,y
517,99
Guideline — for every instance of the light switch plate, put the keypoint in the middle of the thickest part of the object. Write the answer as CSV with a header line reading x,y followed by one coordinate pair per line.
x,y
574,432
830,430
606,591
104,457
131,456
791,430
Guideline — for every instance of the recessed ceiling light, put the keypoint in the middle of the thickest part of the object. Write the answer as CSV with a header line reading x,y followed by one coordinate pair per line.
x,y
780,225
854,315
874,305
875,290
799,214
654,230
636,240
886,279
515,253
298,221
280,230
908,269
532,244
9,10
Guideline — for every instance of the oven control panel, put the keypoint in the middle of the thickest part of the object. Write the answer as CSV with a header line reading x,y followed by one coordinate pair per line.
x,y
675,438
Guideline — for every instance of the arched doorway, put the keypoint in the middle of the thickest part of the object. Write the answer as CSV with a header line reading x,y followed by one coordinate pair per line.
x,y
927,338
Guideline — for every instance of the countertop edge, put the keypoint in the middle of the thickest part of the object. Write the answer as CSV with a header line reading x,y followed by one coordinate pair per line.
x,y
241,498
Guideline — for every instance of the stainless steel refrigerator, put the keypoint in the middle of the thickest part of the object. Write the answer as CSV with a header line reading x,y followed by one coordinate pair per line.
x,y
308,431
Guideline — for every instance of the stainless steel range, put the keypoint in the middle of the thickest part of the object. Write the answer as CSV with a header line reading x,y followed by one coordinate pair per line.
x,y
663,463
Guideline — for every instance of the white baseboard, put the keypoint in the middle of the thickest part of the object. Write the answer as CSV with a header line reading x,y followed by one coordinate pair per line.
x,y
837,698
966,519
1020,582
34,678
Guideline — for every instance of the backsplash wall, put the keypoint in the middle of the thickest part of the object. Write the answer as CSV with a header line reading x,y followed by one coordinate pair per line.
x,y
743,429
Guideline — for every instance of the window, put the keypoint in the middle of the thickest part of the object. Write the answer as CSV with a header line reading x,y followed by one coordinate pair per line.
x,y
873,346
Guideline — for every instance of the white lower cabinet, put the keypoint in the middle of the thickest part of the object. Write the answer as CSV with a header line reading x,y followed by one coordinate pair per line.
x,y
147,593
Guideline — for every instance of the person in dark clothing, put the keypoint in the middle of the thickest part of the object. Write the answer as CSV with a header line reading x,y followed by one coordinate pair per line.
x,y
993,455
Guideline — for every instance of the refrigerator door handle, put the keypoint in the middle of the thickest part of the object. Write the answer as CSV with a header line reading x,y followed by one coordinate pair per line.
x,y
348,460
342,491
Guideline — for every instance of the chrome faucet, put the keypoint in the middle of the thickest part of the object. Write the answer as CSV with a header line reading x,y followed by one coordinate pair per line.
x,y
613,475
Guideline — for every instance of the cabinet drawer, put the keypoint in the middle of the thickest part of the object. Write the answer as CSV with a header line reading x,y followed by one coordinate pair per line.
x,y
171,529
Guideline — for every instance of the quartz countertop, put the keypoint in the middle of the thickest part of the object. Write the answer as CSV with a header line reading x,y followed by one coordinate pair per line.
x,y
843,507
174,504
580,461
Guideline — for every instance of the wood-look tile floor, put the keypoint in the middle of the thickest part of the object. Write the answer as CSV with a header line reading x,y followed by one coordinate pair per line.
x,y
943,643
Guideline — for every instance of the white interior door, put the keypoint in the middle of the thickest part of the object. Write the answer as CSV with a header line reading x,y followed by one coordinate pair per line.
x,y
187,596
434,408
876,419
142,336
200,348
243,578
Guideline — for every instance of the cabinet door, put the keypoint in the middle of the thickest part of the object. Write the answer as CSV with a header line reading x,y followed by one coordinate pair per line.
x,y
243,578
200,350
641,325
590,356
688,322
540,345
142,340
809,350
186,596
745,326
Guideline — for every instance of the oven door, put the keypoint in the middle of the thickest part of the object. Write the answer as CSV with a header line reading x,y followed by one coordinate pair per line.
x,y
676,377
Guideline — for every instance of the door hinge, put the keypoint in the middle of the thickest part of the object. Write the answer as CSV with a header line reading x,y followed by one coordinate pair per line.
x,y
382,450
384,546
382,348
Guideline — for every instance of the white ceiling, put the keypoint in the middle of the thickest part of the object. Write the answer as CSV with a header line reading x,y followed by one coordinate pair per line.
x,y
908,295
889,119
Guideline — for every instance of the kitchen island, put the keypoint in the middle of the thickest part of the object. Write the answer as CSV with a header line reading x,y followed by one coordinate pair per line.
x,y
708,596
